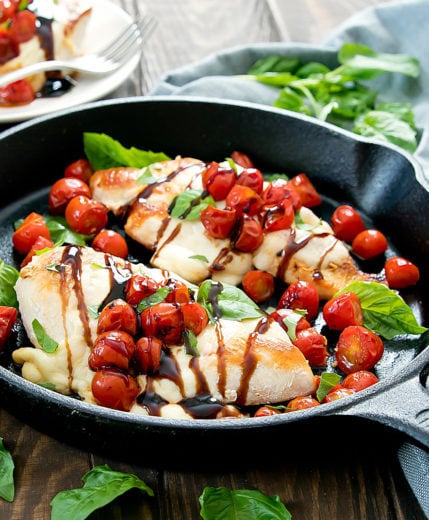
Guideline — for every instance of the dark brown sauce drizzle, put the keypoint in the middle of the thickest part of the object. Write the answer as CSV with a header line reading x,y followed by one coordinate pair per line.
x,y
118,280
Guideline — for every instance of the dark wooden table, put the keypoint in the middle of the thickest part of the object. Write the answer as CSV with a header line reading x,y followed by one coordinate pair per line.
x,y
349,477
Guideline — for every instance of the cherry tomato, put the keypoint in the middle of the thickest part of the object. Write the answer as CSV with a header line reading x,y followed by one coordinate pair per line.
x,y
80,169
279,217
242,159
63,190
29,231
195,317
117,315
138,287
9,49
346,223
218,222
19,92
148,354
301,403
244,200
301,295
282,316
179,292
7,9
114,389
307,192
163,321
112,242
113,348
85,215
218,181
258,285
313,345
252,178
358,349
341,311
250,235
400,272
369,244
278,190
266,411
338,393
23,26
8,316
360,380
40,244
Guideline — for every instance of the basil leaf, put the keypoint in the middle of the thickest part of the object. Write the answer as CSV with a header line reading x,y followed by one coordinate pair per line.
x,y
291,322
327,381
7,485
384,311
226,301
241,504
189,204
202,258
191,343
101,486
157,297
8,277
104,152
48,344
274,63
61,233
146,176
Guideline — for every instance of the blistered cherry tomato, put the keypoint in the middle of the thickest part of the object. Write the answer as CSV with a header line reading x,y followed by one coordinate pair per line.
x,y
360,380
19,92
218,222
346,223
113,348
8,316
163,321
7,9
9,49
85,215
301,403
369,244
138,287
23,26
301,295
218,180
244,200
252,178
343,310
63,190
117,315
338,393
258,285
279,217
114,389
40,244
28,232
358,349
179,291
278,190
307,192
242,159
266,411
313,345
79,169
148,354
195,317
112,242
250,235
400,272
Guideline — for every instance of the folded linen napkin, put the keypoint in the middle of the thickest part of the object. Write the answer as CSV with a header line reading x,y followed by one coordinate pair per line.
x,y
397,27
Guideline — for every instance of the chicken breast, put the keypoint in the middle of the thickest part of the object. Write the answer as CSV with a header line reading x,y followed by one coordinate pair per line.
x,y
247,362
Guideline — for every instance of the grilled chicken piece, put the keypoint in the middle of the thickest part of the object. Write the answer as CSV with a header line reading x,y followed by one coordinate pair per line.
x,y
245,362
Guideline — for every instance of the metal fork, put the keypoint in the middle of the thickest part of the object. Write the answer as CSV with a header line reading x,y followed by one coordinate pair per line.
x,y
105,61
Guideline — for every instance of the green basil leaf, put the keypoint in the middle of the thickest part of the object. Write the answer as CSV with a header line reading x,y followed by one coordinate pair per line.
x,y
189,204
104,152
157,297
242,504
146,176
291,322
7,466
48,344
191,343
101,486
403,112
274,79
312,69
47,385
8,277
274,63
327,381
290,100
202,258
61,233
384,310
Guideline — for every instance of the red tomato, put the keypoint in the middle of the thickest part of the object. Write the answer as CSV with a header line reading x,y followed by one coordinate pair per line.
x,y
218,222
301,403
218,181
258,285
301,295
80,169
109,241
369,244
360,380
400,272
85,215
163,321
338,393
113,348
19,92
282,315
179,292
313,345
346,223
114,389
29,231
278,190
358,349
63,190
279,217
23,26
266,411
40,244
341,311
8,48
252,178
7,9
242,159
244,200
117,315
306,190
195,317
138,287
148,354
8,316
250,235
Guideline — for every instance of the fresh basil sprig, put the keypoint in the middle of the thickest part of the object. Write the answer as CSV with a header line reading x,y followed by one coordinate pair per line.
x,y
189,204
8,277
101,485
7,466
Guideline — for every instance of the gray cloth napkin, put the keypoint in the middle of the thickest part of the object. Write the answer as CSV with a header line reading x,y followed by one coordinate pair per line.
x,y
397,27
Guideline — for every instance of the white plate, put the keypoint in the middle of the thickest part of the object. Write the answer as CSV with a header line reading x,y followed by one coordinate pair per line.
x,y
106,20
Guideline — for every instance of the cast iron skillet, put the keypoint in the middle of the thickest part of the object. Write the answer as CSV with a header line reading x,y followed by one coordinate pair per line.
x,y
384,183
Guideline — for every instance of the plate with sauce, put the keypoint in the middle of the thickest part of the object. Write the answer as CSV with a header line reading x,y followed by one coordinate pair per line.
x,y
106,20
